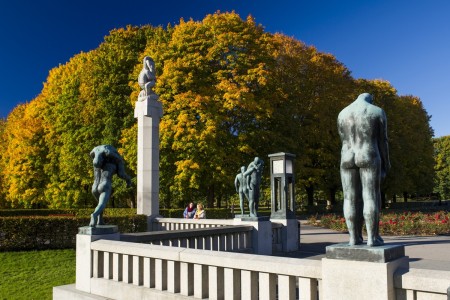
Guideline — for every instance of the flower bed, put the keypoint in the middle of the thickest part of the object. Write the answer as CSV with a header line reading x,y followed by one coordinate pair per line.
x,y
406,223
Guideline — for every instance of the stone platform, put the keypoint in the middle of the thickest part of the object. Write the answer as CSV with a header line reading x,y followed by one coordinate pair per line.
x,y
247,218
98,230
380,254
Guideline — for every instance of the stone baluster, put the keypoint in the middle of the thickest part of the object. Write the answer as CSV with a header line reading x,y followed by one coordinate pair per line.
x,y
250,285
149,272
127,267
186,279
201,289
232,280
160,274
267,286
173,276
216,282
286,287
138,270
108,265
307,288
117,267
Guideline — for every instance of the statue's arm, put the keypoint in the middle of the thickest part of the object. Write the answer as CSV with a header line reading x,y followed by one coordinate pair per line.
x,y
383,145
250,169
122,174
120,166
236,181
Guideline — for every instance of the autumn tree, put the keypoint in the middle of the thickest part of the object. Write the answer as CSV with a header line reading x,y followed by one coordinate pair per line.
x,y
410,139
23,158
213,90
230,92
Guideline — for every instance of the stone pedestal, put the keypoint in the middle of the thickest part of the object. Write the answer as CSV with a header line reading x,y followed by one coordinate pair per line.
x,y
361,272
148,111
86,235
290,234
261,234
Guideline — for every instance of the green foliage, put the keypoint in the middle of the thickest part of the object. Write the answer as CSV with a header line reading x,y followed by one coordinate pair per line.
x,y
442,166
33,274
52,232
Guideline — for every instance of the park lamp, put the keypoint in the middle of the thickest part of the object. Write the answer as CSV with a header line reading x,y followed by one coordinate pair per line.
x,y
282,185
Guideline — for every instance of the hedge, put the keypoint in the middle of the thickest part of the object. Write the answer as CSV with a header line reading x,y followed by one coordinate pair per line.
x,y
39,229
211,213
76,212
42,232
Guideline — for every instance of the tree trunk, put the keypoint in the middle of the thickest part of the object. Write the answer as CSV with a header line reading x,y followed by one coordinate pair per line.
x,y
394,198
310,193
219,201
210,196
405,197
331,198
332,195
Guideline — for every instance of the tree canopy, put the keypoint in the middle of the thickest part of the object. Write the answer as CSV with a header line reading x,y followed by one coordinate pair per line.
x,y
230,91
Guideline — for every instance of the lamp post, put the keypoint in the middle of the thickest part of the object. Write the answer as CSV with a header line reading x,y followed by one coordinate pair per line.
x,y
282,183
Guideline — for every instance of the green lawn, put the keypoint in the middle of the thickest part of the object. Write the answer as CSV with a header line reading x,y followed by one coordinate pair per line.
x,y
33,274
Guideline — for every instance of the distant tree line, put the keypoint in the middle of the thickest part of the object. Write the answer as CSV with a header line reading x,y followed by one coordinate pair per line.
x,y
230,91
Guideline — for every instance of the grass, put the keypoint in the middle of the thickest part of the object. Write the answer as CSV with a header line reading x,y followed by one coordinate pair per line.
x,y
32,274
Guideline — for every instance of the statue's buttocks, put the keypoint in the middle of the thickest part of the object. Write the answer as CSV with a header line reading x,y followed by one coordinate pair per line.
x,y
364,163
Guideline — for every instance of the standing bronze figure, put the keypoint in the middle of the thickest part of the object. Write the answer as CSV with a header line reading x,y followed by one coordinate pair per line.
x,y
364,164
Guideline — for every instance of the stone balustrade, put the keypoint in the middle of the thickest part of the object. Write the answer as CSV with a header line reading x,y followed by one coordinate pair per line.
x,y
118,269
236,238
124,270
416,284
170,224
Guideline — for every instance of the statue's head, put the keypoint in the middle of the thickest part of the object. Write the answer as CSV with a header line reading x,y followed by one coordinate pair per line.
x,y
366,97
149,63
243,169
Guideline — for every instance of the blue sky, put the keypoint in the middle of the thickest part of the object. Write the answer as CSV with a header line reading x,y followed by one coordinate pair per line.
x,y
404,42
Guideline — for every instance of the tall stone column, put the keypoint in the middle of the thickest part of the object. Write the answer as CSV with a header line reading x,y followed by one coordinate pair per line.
x,y
148,112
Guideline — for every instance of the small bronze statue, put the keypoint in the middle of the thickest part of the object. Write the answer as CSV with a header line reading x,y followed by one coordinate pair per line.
x,y
253,178
107,162
241,186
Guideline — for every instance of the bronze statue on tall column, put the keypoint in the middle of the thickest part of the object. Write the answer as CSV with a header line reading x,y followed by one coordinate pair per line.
x,y
364,164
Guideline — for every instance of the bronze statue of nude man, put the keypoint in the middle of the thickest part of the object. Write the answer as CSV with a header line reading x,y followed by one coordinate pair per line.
x,y
364,164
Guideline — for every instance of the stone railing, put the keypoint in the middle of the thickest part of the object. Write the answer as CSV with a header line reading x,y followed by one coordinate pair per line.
x,y
124,270
171,224
415,284
236,238
175,224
